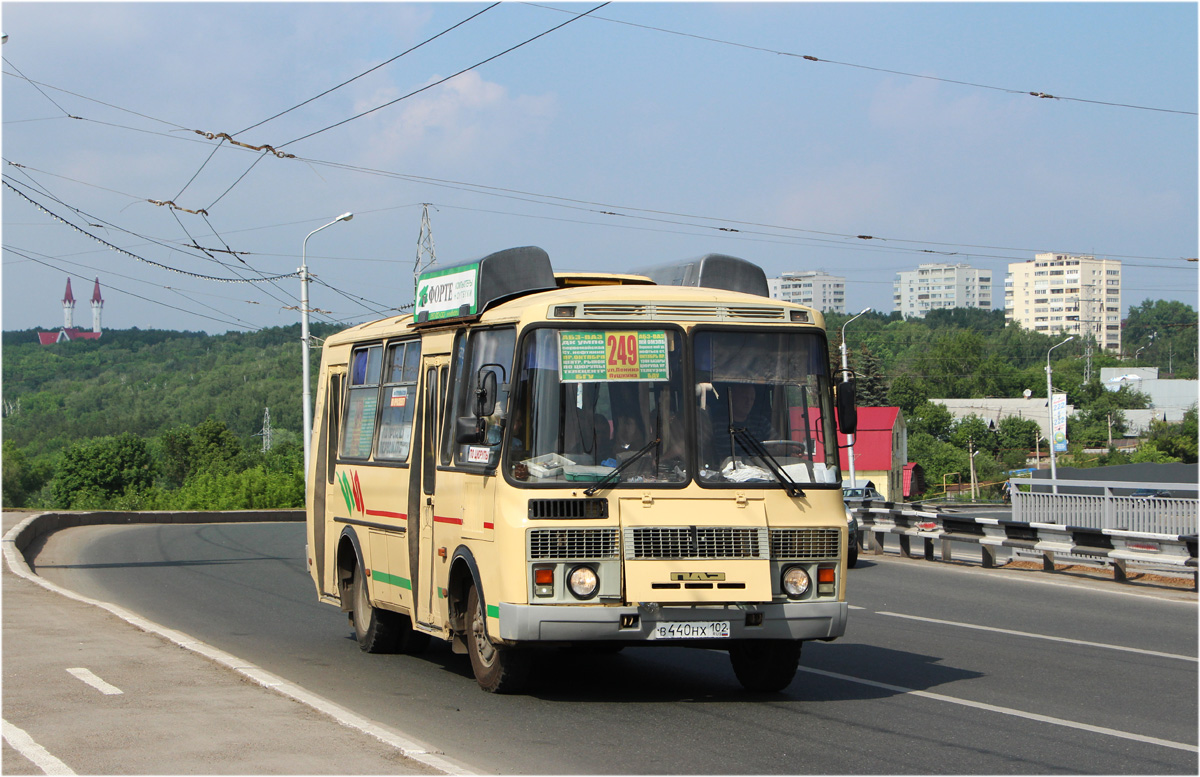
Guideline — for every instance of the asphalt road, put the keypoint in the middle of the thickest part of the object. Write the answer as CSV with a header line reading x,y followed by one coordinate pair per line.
x,y
944,669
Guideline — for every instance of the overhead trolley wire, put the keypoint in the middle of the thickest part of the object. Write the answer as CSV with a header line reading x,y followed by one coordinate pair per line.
x,y
810,58
447,78
371,70
122,251
737,226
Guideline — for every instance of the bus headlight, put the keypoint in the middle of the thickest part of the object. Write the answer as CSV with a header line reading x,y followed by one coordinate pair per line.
x,y
583,582
795,582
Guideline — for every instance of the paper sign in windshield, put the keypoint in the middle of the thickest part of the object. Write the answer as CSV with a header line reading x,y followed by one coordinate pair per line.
x,y
589,357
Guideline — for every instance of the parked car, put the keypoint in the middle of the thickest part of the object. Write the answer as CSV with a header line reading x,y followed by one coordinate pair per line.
x,y
861,493
1151,493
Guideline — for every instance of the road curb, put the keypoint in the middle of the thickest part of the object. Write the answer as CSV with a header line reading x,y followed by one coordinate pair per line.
x,y
21,536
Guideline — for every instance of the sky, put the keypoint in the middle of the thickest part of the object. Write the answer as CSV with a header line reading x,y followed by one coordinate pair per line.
x,y
632,136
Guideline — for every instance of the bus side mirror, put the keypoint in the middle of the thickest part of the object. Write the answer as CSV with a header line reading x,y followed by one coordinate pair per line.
x,y
847,410
485,395
466,430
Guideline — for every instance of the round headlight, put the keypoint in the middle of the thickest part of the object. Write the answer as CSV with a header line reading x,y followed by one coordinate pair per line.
x,y
795,581
583,582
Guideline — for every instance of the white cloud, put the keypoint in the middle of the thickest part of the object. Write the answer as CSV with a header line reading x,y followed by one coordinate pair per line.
x,y
455,123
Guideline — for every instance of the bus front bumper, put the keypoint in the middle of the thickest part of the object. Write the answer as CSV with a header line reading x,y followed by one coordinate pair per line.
x,y
638,623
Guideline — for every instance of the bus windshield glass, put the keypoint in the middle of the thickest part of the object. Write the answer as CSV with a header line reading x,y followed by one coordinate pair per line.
x,y
588,402
762,402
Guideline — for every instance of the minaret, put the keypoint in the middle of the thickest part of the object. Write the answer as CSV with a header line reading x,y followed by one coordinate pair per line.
x,y
97,303
68,307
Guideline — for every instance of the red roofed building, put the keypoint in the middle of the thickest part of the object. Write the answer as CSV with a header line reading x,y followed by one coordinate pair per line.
x,y
69,332
880,451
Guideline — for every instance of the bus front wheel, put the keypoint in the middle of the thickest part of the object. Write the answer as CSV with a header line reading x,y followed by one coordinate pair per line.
x,y
765,665
497,668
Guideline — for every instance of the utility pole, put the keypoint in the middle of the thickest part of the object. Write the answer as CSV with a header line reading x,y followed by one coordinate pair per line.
x,y
426,253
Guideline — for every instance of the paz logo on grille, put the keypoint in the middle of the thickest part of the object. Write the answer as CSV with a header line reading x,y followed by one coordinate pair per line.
x,y
697,576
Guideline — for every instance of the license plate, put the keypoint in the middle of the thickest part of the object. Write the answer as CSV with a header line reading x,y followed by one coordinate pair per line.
x,y
691,630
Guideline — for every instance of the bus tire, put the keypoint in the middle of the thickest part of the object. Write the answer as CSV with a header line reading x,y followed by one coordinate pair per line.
x,y
377,631
497,668
767,665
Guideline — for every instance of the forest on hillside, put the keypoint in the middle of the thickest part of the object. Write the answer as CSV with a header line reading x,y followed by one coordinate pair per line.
x,y
155,419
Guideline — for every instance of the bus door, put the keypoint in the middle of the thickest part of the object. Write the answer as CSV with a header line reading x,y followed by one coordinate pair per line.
x,y
423,488
324,476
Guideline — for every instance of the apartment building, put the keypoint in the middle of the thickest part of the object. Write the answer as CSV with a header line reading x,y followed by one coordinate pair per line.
x,y
1079,295
816,289
934,286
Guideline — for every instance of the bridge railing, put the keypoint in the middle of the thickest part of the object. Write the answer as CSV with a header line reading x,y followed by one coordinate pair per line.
x,y
1074,506
1115,548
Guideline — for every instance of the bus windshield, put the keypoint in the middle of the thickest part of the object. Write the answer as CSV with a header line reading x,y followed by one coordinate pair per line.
x,y
763,408
594,406
588,402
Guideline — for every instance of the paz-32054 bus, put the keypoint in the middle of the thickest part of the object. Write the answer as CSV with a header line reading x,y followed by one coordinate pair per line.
x,y
534,460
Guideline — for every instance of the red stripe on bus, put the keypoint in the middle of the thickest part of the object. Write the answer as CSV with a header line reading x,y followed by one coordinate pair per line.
x,y
489,525
386,514
444,519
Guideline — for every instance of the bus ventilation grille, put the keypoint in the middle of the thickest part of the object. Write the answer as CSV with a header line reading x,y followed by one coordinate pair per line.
x,y
805,543
690,312
687,542
568,508
567,544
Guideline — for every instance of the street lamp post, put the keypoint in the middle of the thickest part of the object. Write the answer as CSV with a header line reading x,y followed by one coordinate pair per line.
x,y
1050,411
306,432
845,378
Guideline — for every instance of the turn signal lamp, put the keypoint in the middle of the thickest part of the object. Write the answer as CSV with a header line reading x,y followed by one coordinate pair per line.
x,y
543,581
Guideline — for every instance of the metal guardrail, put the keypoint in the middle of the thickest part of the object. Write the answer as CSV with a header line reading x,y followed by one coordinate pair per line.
x,y
1159,515
1113,547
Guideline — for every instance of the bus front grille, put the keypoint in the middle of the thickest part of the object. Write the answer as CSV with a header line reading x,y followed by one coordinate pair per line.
x,y
805,543
569,544
695,542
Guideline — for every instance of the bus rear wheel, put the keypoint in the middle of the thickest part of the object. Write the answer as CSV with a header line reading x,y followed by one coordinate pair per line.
x,y
497,668
765,665
381,631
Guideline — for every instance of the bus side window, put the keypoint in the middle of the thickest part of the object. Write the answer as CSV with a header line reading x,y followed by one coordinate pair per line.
x,y
362,402
333,417
399,400
487,363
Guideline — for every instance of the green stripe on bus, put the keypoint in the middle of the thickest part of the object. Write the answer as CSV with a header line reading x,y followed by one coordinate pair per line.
x,y
493,611
384,577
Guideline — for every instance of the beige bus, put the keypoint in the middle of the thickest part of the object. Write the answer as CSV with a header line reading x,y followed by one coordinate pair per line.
x,y
536,460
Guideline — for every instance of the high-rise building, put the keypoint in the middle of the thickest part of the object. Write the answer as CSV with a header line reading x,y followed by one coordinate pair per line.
x,y
1079,295
935,286
816,289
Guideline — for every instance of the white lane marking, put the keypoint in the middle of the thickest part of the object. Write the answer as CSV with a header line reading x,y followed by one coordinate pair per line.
x,y
1112,732
1040,636
91,679
407,747
855,607
41,758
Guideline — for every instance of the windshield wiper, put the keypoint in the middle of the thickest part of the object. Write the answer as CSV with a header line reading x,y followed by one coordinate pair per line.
x,y
756,448
615,475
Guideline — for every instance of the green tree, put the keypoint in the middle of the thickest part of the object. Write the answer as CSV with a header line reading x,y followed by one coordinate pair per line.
x,y
907,393
1016,438
94,471
1177,441
932,419
872,385
974,433
1173,327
